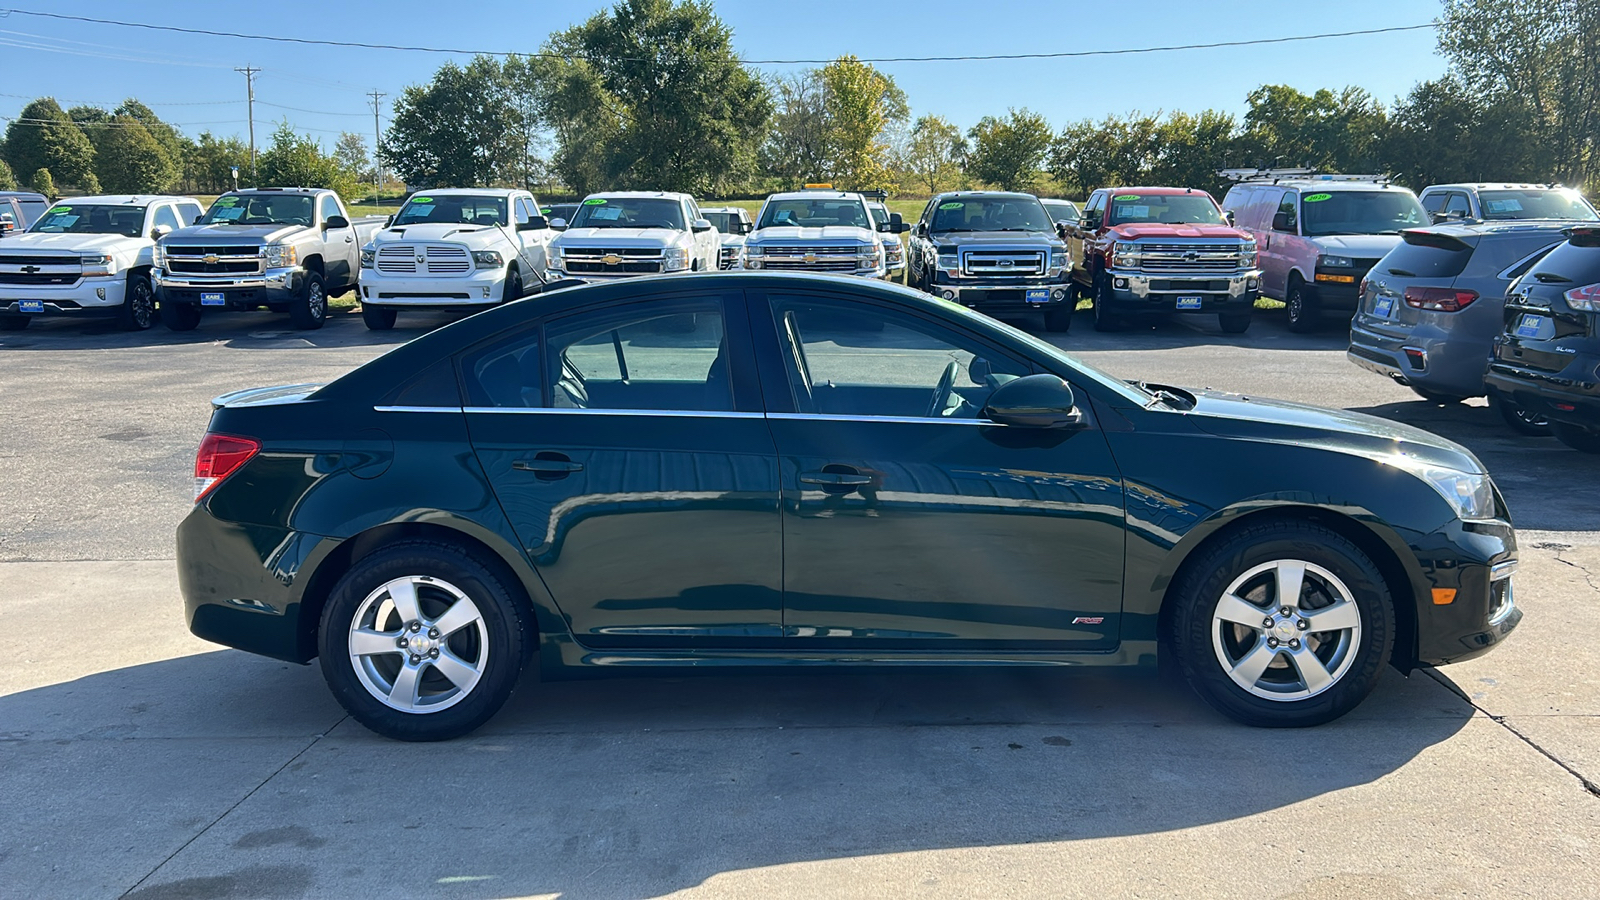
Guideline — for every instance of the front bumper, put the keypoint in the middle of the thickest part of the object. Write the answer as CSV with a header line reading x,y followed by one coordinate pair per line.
x,y
1449,364
1141,293
475,289
88,297
1004,295
1465,603
239,292
1571,396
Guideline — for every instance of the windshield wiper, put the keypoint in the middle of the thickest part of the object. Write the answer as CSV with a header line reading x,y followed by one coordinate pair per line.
x,y
1403,273
1550,278
1160,394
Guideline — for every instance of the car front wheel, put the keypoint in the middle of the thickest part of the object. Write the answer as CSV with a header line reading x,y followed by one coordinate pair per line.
x,y
138,310
309,310
1518,418
1282,624
421,641
1305,314
378,318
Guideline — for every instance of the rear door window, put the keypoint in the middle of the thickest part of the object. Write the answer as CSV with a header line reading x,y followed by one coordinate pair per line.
x,y
1433,201
165,216
1458,205
1427,258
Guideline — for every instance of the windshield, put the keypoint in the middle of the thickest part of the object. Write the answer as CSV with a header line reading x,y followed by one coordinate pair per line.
x,y
629,212
1061,210
1165,209
1360,212
816,212
1542,203
879,213
66,219
454,209
259,209
727,223
991,214
564,211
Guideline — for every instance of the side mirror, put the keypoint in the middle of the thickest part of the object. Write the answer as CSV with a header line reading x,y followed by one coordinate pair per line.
x,y
1061,230
1091,222
896,219
388,222
702,225
336,222
922,229
1034,401
746,227
898,228
1281,221
534,223
558,224
159,232
1228,214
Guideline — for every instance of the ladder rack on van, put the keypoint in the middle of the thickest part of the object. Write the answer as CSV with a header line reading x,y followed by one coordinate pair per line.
x,y
1248,176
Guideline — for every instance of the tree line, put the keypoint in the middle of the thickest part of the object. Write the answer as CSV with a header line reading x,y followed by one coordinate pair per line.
x,y
651,94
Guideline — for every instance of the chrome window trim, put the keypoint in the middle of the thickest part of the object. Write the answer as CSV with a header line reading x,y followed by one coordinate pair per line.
x,y
559,411
689,413
919,420
417,409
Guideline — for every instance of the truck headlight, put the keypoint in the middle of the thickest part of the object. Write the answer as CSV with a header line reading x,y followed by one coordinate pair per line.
x,y
366,257
948,261
280,256
1247,251
158,257
1122,248
1058,260
1335,262
98,264
487,259
674,259
1470,494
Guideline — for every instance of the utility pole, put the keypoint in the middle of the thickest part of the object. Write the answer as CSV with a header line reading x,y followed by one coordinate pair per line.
x,y
249,74
377,136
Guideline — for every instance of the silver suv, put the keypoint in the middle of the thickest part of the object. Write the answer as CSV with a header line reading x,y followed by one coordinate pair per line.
x,y
1505,202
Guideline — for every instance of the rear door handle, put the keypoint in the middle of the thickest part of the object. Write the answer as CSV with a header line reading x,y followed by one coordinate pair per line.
x,y
548,466
835,478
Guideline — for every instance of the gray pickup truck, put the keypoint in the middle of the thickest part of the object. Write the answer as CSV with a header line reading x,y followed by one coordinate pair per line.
x,y
287,249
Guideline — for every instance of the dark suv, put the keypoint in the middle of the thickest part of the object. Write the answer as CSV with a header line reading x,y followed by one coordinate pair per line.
x,y
1547,360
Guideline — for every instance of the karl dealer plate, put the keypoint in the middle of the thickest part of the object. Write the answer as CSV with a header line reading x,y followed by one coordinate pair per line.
x,y
1189,303
212,300
30,306
1384,307
1036,295
1530,325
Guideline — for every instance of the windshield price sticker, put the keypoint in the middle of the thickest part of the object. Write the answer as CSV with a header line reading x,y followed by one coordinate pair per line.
x,y
951,205
595,201
421,199
606,215
61,209
226,201
227,214
1317,198
1120,197
1133,212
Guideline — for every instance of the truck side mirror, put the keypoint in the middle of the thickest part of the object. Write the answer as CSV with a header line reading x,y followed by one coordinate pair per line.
x,y
896,219
558,224
1228,214
746,227
922,229
1283,221
1091,222
159,232
388,221
1061,230
336,222
534,223
702,225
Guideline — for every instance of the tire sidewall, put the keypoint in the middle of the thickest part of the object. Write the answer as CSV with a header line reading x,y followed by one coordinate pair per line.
x,y
1203,586
502,622
513,287
305,313
140,296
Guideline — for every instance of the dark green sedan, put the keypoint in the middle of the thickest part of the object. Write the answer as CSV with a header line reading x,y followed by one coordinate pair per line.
x,y
784,470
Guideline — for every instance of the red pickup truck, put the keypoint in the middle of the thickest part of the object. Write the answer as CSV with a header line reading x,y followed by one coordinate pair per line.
x,y
1146,251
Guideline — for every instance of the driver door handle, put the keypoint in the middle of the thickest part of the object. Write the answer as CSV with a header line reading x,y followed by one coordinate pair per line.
x,y
835,479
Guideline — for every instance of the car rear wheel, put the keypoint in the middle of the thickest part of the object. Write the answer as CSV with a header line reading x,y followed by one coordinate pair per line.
x,y
138,310
421,641
1282,624
1520,419
1234,323
1305,313
310,309
1584,440
378,318
180,316
14,323
1104,318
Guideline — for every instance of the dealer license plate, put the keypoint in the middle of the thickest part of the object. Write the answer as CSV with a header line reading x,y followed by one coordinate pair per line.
x,y
1530,325
1188,302
1384,308
213,300
1036,295
30,305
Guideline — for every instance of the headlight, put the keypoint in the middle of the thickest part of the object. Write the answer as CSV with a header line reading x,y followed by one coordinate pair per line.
x,y
752,251
1058,259
158,257
674,259
366,257
1471,495
947,260
1247,249
867,252
1335,262
1122,248
487,259
280,255
98,264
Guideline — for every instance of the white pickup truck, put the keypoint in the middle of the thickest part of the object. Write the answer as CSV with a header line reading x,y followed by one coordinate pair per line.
x,y
89,256
628,233
819,230
451,248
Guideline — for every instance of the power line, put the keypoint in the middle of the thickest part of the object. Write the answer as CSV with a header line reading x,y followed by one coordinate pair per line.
x,y
315,112
882,59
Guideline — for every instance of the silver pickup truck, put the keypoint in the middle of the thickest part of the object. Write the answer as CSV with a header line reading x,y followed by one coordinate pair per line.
x,y
287,249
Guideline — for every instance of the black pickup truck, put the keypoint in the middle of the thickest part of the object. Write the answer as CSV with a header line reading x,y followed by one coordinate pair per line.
x,y
995,252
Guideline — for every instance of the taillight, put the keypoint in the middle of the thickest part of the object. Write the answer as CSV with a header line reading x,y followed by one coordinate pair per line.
x,y
1439,299
1362,290
220,455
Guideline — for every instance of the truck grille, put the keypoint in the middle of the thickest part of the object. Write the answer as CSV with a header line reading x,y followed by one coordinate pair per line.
x,y
727,257
1191,257
811,259
1002,262
45,270
423,259
216,259
601,261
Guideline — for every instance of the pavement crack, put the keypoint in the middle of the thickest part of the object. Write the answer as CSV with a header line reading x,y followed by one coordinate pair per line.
x,y
240,802
1587,575
1504,722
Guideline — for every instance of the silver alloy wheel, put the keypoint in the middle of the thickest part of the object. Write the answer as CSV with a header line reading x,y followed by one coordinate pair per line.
x,y
418,644
1286,630
316,300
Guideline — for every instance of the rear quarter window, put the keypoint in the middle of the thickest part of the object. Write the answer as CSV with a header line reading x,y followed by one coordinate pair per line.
x,y
1426,260
1571,262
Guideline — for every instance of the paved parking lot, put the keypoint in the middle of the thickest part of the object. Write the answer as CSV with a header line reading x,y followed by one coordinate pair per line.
x,y
136,760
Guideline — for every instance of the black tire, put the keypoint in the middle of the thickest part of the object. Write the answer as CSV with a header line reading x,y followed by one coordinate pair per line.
x,y
14,323
1305,312
513,286
180,316
1060,320
498,647
1202,641
1104,318
138,309
1519,419
309,309
1583,440
378,318
1234,323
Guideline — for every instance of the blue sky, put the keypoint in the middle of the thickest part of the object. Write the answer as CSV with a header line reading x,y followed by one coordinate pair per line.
x,y
189,80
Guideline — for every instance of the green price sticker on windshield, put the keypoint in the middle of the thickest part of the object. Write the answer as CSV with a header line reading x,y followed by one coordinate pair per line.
x,y
1120,197
1316,198
61,209
595,201
951,205
421,199
227,201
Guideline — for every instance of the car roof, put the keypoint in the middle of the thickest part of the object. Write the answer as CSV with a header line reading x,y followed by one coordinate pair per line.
x,y
721,209
1497,186
280,190
1481,230
1017,195
447,192
122,199
621,195
25,195
1058,200
1336,186
1158,191
820,194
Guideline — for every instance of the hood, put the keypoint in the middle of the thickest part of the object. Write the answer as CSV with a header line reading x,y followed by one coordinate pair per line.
x,y
733,240
778,234
231,234
431,231
76,243
1369,246
1135,231
997,238
1234,415
621,237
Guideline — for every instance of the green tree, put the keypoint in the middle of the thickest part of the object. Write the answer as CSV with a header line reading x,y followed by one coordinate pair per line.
x,y
8,180
43,183
1009,152
295,160
935,152
862,104
129,159
456,131
1445,132
796,149
42,136
175,145
652,94
209,166
351,153
525,76
1332,132
1190,148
